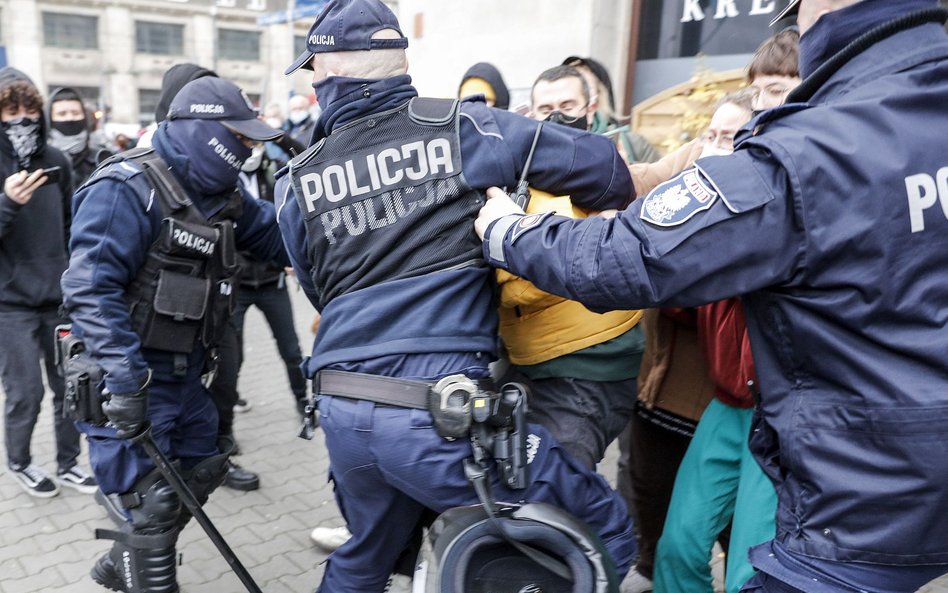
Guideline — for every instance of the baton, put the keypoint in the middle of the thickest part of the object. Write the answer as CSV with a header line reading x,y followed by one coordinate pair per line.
x,y
170,474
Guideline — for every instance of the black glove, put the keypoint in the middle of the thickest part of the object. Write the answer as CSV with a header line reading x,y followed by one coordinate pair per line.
x,y
126,411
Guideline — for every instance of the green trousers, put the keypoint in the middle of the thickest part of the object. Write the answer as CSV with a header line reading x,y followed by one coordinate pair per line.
x,y
718,480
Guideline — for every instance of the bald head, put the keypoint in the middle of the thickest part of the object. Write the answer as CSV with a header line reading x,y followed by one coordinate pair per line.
x,y
373,64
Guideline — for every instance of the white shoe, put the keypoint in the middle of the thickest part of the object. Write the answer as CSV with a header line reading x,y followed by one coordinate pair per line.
x,y
78,479
330,538
34,481
398,583
634,582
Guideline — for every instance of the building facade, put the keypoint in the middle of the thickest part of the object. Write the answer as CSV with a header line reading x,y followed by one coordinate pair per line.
x,y
116,52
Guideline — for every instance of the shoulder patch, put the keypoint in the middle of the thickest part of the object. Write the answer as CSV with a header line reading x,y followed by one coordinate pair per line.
x,y
678,200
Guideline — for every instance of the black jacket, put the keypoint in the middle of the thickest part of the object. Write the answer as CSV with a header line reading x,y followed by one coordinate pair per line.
x,y
33,236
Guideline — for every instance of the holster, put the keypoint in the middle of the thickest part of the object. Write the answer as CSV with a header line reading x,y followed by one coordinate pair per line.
x,y
83,399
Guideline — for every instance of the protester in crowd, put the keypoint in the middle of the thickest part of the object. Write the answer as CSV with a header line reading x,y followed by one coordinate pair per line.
x,y
580,366
800,220
69,131
774,71
674,389
299,122
263,284
34,230
485,79
634,146
149,288
422,268
719,482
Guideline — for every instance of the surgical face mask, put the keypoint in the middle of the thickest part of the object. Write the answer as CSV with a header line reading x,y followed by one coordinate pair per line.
x,y
24,135
577,123
214,154
298,117
712,150
253,161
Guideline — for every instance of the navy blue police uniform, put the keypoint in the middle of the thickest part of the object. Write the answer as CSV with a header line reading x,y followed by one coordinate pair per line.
x,y
831,219
127,232
378,230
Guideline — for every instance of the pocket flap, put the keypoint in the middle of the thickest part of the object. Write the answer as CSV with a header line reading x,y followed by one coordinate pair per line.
x,y
181,296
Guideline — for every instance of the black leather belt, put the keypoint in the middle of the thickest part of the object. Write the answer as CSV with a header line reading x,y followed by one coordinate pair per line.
x,y
390,391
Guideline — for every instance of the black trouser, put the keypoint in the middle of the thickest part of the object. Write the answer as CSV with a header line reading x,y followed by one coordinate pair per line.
x,y
274,302
648,463
224,387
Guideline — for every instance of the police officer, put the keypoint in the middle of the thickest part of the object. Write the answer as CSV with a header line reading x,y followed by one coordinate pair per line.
x,y
149,285
827,219
378,228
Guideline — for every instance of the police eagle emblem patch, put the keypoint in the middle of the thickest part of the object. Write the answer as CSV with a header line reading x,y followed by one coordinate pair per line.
x,y
675,202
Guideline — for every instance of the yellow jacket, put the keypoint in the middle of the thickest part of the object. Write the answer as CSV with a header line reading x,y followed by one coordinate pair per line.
x,y
537,326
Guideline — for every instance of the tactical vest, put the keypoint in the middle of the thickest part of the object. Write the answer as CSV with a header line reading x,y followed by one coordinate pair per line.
x,y
185,292
384,198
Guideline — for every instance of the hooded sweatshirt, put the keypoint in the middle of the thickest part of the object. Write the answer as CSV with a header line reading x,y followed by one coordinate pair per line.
x,y
87,153
33,236
489,73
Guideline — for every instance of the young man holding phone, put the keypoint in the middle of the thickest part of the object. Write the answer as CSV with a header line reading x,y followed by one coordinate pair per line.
x,y
34,228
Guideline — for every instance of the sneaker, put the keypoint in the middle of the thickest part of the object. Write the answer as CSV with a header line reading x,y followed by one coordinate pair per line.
x,y
242,406
34,481
238,478
330,538
75,477
398,583
635,582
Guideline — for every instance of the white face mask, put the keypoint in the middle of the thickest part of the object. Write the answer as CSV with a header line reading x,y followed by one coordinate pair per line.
x,y
711,150
253,162
298,116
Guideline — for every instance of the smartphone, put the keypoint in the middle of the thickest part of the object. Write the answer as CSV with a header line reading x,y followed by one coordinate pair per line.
x,y
53,175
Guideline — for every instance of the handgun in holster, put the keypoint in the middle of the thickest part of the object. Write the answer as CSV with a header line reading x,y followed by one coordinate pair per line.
x,y
499,431
82,377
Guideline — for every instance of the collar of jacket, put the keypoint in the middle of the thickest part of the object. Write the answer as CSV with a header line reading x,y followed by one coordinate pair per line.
x,y
347,99
837,29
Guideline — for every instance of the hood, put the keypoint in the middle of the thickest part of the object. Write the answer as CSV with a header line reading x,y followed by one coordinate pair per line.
x,y
174,79
56,95
492,75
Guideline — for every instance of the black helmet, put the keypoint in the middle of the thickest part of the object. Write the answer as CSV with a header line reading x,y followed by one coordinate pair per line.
x,y
464,553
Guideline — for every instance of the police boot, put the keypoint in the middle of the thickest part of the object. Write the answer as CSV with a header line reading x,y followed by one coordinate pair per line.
x,y
142,559
207,476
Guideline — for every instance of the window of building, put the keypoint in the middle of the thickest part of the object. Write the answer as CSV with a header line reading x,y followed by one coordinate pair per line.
x,y
165,39
71,31
233,44
147,101
299,44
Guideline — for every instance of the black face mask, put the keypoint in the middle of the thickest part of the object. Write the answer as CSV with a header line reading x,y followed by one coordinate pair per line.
x,y
69,128
577,123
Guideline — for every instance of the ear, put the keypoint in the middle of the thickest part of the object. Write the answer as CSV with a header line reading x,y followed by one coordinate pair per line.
x,y
593,102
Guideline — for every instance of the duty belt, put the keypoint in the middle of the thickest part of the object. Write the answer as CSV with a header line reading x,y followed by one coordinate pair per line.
x,y
390,391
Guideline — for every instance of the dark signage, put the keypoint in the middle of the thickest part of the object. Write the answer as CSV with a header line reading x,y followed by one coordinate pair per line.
x,y
685,28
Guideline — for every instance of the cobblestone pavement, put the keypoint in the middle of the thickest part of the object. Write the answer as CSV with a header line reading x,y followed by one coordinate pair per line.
x,y
47,545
